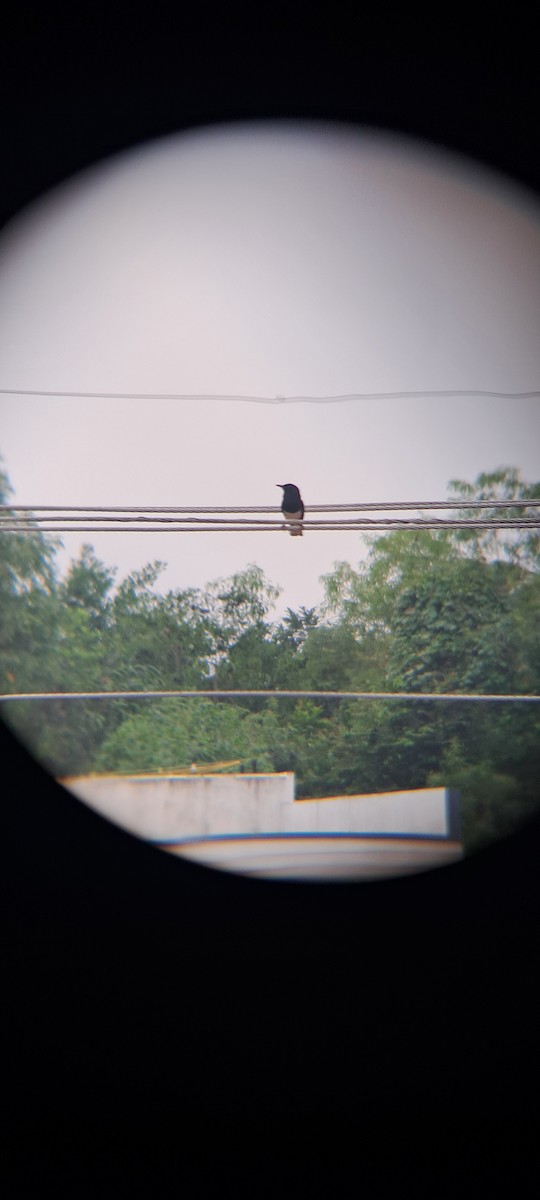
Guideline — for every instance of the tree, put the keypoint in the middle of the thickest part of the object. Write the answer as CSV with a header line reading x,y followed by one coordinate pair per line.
x,y
156,642
448,613
295,627
492,803
521,546
87,586
251,663
168,736
27,593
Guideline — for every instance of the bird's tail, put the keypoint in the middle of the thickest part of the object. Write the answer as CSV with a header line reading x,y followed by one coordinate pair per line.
x,y
295,523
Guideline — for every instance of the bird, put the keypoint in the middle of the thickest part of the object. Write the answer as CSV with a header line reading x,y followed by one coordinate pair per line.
x,y
292,507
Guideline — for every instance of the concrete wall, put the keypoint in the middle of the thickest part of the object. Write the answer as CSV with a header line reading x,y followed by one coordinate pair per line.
x,y
418,812
163,808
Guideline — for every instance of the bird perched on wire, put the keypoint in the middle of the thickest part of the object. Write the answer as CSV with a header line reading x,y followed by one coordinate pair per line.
x,y
292,508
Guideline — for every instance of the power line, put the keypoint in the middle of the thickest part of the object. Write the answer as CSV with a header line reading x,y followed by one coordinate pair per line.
x,y
368,506
348,396
271,526
177,519
406,527
275,694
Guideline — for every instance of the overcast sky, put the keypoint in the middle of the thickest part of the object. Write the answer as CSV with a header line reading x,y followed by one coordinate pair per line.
x,y
261,261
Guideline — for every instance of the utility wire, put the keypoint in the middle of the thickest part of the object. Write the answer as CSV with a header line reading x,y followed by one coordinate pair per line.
x,y
108,519
259,529
28,522
270,399
218,694
271,527
369,506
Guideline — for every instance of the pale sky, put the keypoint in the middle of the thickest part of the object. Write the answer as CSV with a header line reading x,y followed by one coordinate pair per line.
x,y
264,260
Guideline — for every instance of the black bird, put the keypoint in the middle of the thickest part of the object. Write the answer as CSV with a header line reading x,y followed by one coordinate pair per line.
x,y
292,507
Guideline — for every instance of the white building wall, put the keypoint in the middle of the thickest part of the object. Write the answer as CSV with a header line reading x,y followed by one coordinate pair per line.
x,y
417,812
162,808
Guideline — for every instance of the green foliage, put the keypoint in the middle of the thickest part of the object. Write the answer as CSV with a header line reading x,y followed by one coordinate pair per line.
x,y
492,803
173,735
86,588
521,547
440,611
